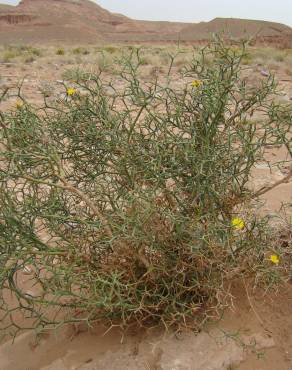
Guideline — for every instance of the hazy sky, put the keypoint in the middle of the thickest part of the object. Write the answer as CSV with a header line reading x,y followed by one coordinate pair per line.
x,y
198,10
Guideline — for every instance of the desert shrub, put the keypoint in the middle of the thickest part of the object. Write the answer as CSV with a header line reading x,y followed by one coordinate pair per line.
x,y
247,59
265,55
111,49
8,55
14,51
33,51
29,59
80,51
26,50
60,51
10,52
279,57
74,74
105,62
132,207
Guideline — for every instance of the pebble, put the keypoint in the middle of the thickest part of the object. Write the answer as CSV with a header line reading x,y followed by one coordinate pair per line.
x,y
27,270
286,98
265,73
30,294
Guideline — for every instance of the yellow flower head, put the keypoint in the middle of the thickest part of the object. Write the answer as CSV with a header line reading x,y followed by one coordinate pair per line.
x,y
238,223
19,104
275,259
197,83
71,91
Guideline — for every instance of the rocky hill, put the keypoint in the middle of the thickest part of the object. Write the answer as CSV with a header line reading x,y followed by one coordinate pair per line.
x,y
79,21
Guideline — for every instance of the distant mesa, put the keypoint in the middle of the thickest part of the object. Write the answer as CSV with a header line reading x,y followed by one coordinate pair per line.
x,y
84,21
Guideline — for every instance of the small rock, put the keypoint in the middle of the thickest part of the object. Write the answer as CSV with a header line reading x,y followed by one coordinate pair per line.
x,y
286,98
27,270
259,341
30,294
265,73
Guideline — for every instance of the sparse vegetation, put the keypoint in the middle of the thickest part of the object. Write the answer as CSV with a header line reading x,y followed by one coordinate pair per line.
x,y
75,74
129,202
265,56
8,56
29,59
60,51
111,49
11,52
80,51
105,62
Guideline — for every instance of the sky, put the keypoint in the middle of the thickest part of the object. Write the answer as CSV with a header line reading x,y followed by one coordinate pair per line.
x,y
198,10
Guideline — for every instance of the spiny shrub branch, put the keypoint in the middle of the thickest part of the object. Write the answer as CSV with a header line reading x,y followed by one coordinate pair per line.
x,y
119,197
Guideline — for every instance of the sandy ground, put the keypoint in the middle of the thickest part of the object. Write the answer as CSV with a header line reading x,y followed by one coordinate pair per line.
x,y
255,334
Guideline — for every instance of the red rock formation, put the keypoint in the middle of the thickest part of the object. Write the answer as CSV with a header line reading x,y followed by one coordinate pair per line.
x,y
85,21
16,18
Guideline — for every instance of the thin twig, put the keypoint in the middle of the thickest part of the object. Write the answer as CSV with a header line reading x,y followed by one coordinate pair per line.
x,y
253,308
273,186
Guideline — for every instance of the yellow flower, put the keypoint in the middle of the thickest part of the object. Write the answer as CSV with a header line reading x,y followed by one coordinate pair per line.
x,y
275,259
238,223
71,91
19,104
197,83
